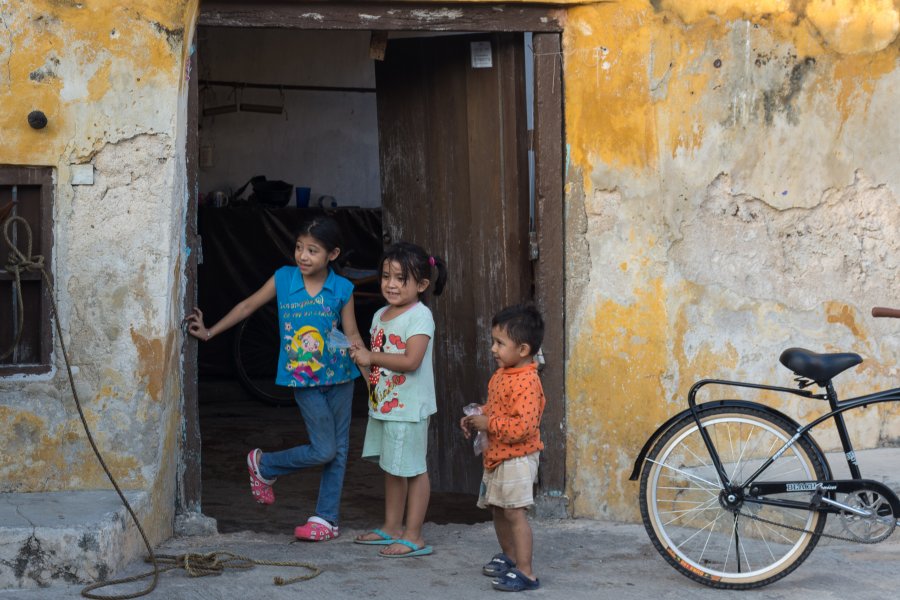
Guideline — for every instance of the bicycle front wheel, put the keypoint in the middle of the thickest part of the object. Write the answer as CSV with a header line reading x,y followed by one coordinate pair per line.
x,y
685,514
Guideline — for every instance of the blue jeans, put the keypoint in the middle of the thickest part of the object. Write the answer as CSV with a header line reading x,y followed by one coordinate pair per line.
x,y
326,413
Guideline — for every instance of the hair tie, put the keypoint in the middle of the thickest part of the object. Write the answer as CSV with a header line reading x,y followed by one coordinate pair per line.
x,y
431,260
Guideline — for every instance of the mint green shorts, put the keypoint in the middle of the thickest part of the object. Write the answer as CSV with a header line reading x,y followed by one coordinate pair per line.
x,y
399,447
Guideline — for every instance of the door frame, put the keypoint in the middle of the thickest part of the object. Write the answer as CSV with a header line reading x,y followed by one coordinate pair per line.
x,y
188,488
549,276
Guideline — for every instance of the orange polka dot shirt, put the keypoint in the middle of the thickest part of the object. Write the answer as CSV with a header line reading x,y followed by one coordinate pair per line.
x,y
514,409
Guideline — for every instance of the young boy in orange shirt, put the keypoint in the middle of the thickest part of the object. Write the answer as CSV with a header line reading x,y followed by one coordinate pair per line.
x,y
512,418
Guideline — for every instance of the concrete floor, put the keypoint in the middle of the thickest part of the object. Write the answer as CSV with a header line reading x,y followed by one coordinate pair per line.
x,y
577,559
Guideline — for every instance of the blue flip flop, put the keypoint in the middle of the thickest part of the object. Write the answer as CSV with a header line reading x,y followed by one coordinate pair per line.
x,y
498,565
414,550
515,581
385,540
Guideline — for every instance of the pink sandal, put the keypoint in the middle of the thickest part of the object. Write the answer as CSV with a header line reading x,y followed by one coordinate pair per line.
x,y
316,529
260,487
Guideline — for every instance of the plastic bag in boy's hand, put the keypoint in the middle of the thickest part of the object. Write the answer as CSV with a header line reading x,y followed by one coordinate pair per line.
x,y
481,439
337,340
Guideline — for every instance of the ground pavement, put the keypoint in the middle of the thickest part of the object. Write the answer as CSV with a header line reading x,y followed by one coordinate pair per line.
x,y
575,559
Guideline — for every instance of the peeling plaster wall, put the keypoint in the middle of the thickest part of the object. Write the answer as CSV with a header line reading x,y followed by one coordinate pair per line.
x,y
111,79
732,191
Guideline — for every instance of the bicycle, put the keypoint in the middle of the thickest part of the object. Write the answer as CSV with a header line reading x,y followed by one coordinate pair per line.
x,y
734,494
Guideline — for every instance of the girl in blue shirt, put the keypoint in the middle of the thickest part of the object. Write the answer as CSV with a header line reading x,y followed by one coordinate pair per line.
x,y
312,301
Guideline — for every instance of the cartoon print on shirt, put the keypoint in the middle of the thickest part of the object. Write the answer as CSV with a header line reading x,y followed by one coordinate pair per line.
x,y
304,349
386,396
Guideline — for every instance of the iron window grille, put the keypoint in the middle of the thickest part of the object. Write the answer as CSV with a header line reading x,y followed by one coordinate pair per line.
x,y
25,192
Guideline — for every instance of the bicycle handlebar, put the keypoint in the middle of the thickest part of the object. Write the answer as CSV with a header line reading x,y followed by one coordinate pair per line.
x,y
880,311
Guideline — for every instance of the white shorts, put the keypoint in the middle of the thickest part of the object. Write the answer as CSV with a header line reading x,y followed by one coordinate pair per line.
x,y
511,483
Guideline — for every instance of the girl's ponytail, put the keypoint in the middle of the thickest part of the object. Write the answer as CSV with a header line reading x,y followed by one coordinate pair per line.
x,y
441,267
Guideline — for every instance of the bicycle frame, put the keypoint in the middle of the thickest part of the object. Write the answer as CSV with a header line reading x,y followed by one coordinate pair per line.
x,y
838,407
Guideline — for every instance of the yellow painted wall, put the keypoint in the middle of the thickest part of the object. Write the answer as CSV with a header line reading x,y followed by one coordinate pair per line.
x,y
731,193
75,61
716,152
110,78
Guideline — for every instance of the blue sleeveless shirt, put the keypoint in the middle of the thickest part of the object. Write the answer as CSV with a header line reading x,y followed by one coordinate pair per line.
x,y
307,356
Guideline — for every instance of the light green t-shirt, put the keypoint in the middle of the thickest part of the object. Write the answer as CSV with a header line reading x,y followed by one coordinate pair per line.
x,y
402,396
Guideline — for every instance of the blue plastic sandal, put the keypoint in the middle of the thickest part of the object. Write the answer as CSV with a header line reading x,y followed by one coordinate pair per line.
x,y
414,550
384,539
515,581
498,566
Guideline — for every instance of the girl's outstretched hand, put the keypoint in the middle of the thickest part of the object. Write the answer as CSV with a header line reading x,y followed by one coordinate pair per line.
x,y
195,325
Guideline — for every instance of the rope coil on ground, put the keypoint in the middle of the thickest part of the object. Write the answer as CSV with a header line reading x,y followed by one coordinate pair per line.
x,y
204,565
195,565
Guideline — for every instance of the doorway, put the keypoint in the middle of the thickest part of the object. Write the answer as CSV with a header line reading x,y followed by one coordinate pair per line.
x,y
431,207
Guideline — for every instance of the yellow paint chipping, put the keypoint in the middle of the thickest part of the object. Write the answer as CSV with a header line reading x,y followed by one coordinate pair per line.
x,y
854,26
151,362
615,396
637,78
841,313
608,109
74,61
694,11
855,78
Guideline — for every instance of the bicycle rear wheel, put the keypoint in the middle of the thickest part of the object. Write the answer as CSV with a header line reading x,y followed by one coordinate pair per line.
x,y
256,345
682,502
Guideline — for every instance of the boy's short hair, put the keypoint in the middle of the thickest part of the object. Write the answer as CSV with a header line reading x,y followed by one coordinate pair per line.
x,y
523,324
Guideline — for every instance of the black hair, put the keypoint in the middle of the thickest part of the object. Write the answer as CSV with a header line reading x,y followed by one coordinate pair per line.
x,y
326,231
416,263
523,324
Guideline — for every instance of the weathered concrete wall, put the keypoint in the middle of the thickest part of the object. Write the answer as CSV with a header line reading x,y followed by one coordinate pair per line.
x,y
732,191
110,77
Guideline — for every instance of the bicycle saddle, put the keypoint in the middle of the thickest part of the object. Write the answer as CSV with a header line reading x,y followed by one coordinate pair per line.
x,y
821,368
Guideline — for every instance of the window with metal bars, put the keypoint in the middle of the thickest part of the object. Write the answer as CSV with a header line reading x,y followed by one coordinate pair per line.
x,y
26,196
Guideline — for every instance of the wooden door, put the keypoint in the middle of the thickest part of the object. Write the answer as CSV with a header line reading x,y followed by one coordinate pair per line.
x,y
453,145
